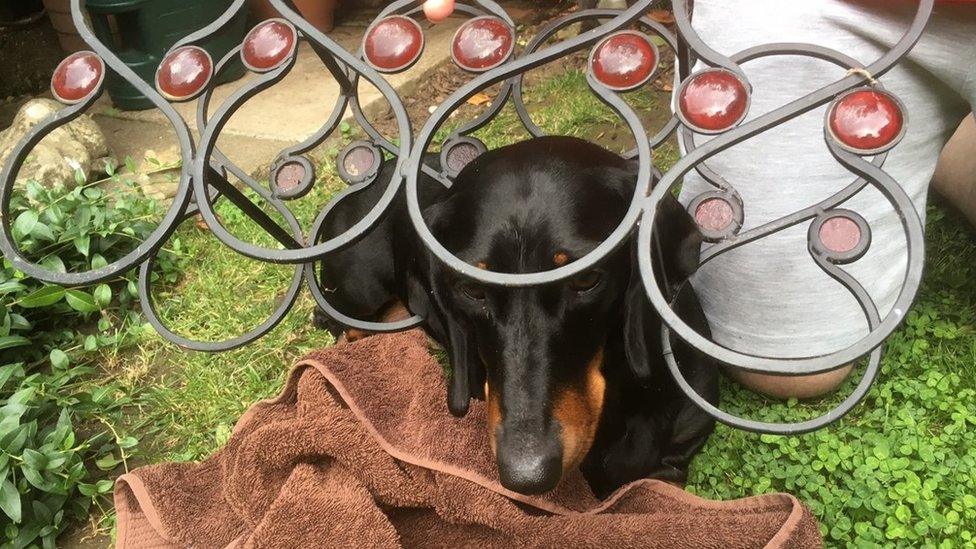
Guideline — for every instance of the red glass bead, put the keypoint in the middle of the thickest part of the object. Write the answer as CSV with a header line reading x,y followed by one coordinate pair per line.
x,y
290,176
624,61
713,100
866,120
393,44
840,234
184,73
714,215
268,45
77,77
483,43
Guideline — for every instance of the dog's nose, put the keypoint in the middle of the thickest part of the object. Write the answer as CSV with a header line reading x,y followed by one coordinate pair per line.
x,y
528,465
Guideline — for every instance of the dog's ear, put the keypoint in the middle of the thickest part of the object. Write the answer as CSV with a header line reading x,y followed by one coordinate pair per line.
x,y
467,373
675,253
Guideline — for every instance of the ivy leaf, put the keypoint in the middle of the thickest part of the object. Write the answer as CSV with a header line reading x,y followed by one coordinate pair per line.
x,y
128,442
107,462
98,262
99,394
83,302
59,359
11,341
54,263
11,286
82,244
8,371
44,297
103,295
43,232
18,322
24,224
10,501
34,459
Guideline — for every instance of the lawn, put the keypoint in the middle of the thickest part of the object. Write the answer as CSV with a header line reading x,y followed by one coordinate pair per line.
x,y
899,470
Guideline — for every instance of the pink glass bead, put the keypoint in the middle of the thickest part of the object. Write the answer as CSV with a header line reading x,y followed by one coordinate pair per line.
x,y
840,234
714,215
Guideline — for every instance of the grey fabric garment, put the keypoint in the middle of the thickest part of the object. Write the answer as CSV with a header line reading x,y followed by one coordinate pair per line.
x,y
768,296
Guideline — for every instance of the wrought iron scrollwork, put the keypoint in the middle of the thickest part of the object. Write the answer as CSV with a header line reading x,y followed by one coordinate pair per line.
x,y
485,46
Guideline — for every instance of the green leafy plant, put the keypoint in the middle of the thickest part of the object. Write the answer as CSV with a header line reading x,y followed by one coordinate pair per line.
x,y
900,470
59,415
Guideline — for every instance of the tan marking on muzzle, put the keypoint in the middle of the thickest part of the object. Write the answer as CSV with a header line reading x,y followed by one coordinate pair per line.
x,y
560,259
494,417
578,411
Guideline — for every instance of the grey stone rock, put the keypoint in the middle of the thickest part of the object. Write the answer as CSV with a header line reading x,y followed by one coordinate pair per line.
x,y
78,145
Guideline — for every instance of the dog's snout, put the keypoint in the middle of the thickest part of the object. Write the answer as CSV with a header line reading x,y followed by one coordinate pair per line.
x,y
530,464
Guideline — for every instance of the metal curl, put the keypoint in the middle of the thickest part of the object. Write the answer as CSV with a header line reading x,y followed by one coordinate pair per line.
x,y
203,179
616,238
911,223
20,152
284,307
297,255
518,82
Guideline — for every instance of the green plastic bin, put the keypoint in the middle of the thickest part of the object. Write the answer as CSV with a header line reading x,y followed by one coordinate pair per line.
x,y
140,32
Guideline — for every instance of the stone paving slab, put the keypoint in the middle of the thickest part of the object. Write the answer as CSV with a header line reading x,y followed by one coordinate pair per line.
x,y
297,106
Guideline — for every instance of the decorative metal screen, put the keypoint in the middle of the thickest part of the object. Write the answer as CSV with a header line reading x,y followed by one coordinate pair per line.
x,y
485,46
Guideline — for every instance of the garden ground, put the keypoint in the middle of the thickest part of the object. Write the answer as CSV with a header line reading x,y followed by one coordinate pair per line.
x,y
899,470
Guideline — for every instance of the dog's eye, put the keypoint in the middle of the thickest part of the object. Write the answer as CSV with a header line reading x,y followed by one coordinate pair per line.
x,y
586,281
473,291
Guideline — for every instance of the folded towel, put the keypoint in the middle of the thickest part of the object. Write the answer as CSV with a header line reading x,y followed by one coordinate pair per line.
x,y
360,451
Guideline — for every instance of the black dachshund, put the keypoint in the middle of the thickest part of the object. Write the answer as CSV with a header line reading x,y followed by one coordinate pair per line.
x,y
573,373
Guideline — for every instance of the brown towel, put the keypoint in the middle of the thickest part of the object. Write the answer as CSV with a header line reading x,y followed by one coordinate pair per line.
x,y
359,451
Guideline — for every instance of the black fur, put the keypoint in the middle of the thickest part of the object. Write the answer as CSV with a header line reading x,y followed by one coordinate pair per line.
x,y
514,208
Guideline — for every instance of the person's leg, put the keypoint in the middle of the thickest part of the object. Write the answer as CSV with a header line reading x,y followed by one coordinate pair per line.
x,y
955,180
955,177
768,297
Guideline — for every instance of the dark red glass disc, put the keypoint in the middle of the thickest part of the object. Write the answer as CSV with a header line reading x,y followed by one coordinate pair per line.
x,y
866,120
77,77
184,73
394,43
268,45
624,61
714,214
840,234
483,43
713,100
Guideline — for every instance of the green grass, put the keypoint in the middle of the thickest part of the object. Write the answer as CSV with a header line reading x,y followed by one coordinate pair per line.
x,y
901,468
898,471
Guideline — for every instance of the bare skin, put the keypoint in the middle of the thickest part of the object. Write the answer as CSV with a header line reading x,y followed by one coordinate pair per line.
x,y
955,180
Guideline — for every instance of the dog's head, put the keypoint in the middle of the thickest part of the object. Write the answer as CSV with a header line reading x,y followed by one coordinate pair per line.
x,y
537,355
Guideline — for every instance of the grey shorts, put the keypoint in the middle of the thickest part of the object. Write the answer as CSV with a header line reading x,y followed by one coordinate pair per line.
x,y
769,296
